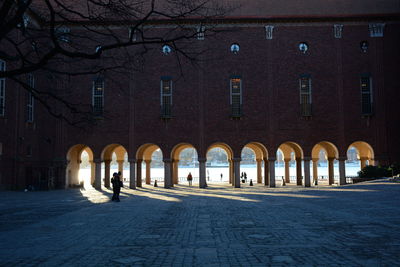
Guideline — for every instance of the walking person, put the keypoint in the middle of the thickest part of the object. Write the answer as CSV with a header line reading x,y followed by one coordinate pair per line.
x,y
190,178
116,182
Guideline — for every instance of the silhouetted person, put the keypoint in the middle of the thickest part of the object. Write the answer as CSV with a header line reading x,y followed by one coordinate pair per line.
x,y
116,182
221,177
190,178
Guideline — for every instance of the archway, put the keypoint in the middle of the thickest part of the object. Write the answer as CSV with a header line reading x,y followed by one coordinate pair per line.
x,y
80,168
253,160
324,157
120,155
219,164
292,150
359,155
184,160
150,158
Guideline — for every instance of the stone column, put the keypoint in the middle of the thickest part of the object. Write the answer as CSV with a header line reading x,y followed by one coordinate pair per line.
x,y
231,181
202,172
175,171
342,170
107,166
266,172
307,180
271,167
167,173
315,170
139,172
259,171
331,173
92,172
121,168
363,161
236,171
132,171
298,172
97,179
287,172
148,174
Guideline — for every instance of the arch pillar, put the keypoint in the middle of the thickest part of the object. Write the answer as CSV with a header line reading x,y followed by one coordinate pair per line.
x,y
307,180
139,172
236,174
148,174
266,172
287,173
259,171
175,171
342,170
271,167
231,181
331,174
132,171
315,170
97,179
202,172
299,172
167,173
363,161
121,168
92,172
107,167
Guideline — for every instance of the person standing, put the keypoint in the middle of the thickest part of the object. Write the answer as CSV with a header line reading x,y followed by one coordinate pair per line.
x,y
116,187
190,178
221,177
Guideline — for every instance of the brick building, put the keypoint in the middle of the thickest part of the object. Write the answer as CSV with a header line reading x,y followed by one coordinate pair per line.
x,y
298,77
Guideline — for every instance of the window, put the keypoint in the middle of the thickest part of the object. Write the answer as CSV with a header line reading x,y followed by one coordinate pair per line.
x,y
366,94
305,95
166,49
2,89
132,34
235,48
236,97
166,97
303,47
62,34
200,32
30,103
98,96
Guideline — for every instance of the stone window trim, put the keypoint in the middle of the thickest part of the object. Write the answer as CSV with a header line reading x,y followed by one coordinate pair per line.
x,y
305,92
2,89
269,30
376,29
201,32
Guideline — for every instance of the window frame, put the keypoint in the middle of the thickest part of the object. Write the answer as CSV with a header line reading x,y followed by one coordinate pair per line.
x,y
166,112
305,108
201,32
369,93
3,67
30,105
235,114
101,97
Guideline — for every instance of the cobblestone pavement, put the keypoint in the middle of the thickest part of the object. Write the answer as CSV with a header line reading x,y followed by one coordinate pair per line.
x,y
352,225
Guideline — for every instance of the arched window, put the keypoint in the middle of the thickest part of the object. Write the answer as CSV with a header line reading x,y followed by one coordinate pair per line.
x,y
98,96
235,48
166,49
166,97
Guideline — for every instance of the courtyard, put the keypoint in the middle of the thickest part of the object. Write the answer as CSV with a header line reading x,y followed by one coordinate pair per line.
x,y
351,225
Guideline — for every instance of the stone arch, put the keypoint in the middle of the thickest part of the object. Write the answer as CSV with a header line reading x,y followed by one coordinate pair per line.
x,y
73,156
106,157
332,154
175,156
234,162
144,155
287,148
365,152
261,154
